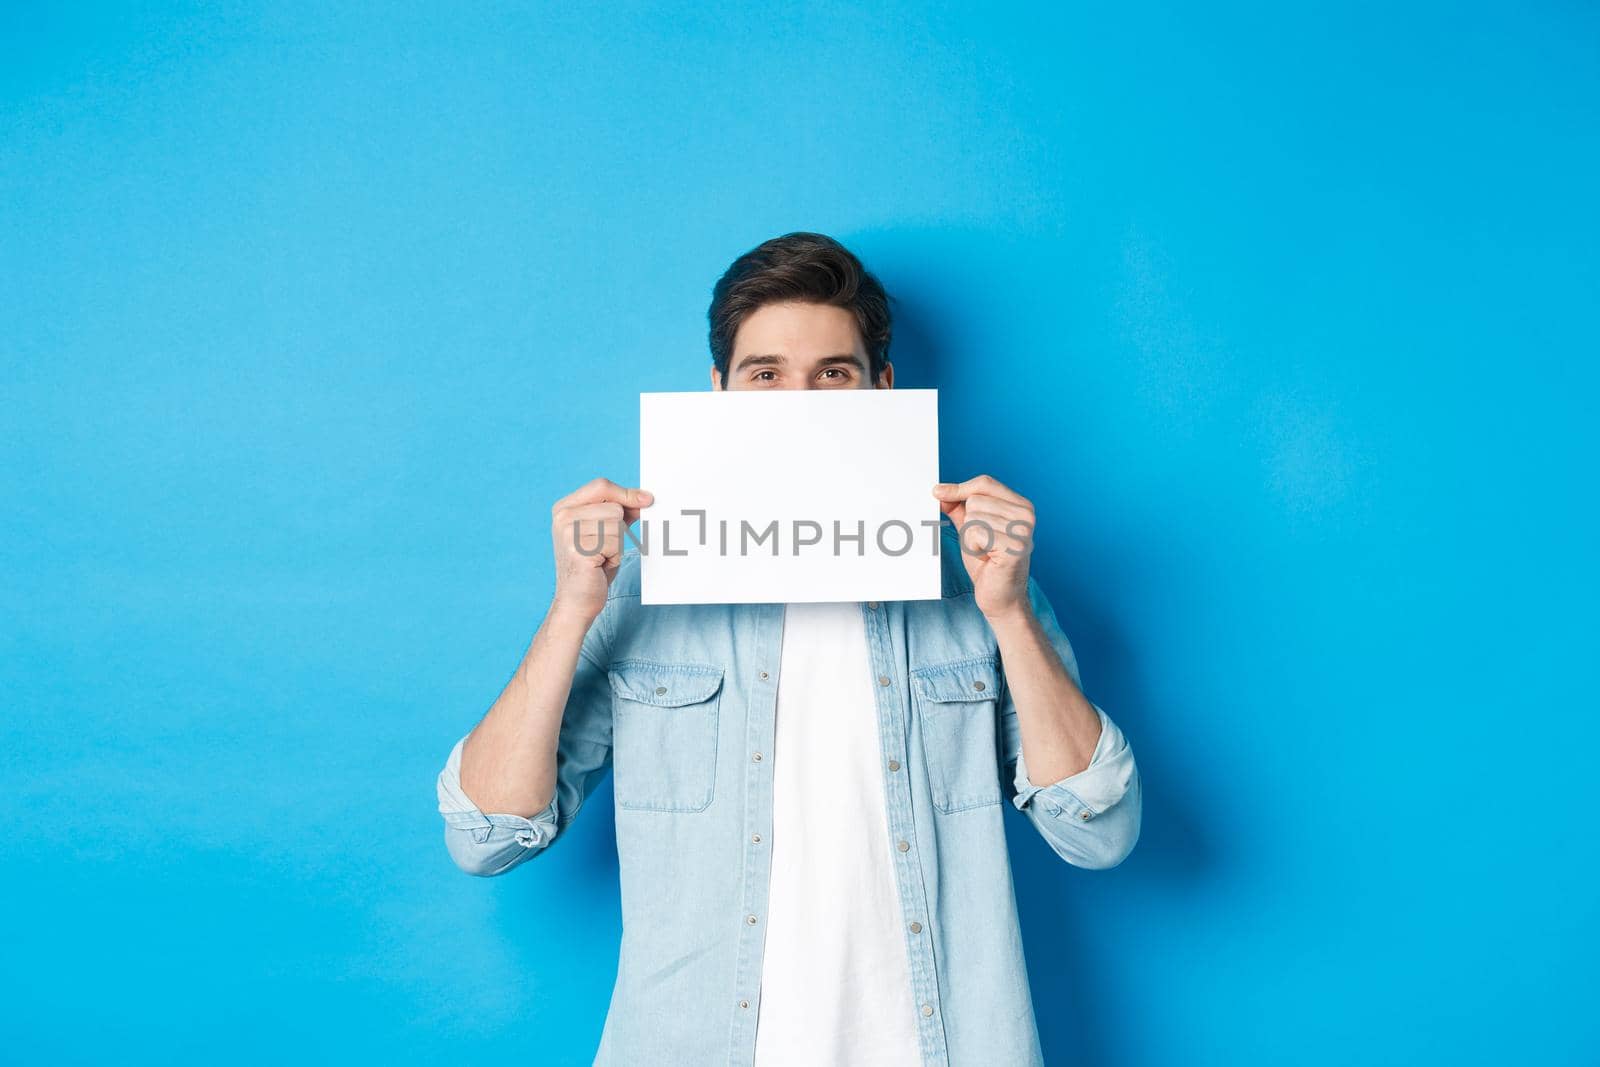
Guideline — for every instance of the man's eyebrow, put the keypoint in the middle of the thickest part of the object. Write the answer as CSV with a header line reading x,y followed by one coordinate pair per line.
x,y
780,360
760,361
843,357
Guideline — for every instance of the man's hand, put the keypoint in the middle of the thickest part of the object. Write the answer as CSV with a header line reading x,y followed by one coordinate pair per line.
x,y
586,528
996,529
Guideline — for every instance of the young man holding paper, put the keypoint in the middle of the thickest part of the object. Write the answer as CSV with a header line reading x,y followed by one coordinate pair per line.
x,y
809,796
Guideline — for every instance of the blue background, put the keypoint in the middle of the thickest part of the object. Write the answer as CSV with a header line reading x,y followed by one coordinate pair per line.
x,y
1285,320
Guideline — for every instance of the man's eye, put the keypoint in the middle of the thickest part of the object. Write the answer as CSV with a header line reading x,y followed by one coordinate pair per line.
x,y
766,376
835,373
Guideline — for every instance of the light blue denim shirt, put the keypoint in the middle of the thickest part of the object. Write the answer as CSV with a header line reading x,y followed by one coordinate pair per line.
x,y
678,701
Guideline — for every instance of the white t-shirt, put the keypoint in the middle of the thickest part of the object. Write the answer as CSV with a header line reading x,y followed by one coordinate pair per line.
x,y
836,985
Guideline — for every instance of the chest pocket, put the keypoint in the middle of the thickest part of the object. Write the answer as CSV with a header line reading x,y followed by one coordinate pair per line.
x,y
664,734
957,705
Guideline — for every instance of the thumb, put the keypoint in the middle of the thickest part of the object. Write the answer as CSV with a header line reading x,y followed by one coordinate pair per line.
x,y
632,500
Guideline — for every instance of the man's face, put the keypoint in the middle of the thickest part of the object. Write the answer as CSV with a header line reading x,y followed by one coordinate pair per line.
x,y
800,346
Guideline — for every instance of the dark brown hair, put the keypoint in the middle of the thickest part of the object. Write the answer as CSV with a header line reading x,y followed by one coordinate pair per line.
x,y
804,267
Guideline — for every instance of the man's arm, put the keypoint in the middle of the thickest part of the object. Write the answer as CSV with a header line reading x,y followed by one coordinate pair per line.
x,y
1072,770
1059,727
1089,813
508,761
546,730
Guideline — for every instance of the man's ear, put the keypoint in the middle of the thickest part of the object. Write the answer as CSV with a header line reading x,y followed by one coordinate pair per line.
x,y
716,379
886,379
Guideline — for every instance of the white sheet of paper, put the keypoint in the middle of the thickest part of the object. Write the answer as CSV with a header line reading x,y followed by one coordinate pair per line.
x,y
786,480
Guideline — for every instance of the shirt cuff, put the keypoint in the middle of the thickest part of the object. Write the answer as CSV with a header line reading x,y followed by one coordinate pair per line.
x,y
461,813
1091,791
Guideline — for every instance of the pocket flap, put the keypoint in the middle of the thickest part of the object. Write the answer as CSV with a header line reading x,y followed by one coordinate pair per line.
x,y
665,685
969,680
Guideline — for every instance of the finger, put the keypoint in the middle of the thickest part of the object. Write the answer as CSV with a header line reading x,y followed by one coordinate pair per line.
x,y
995,520
587,537
1014,537
997,505
977,537
611,543
597,539
604,510
1011,526
604,490
982,484
622,513
567,519
589,517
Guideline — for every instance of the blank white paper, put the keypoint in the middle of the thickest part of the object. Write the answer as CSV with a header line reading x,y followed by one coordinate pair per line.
x,y
789,496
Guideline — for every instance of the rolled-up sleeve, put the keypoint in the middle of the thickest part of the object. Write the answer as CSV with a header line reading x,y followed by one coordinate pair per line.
x,y
488,843
1091,818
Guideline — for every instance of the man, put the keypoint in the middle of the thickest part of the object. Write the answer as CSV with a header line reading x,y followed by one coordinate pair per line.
x,y
808,797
